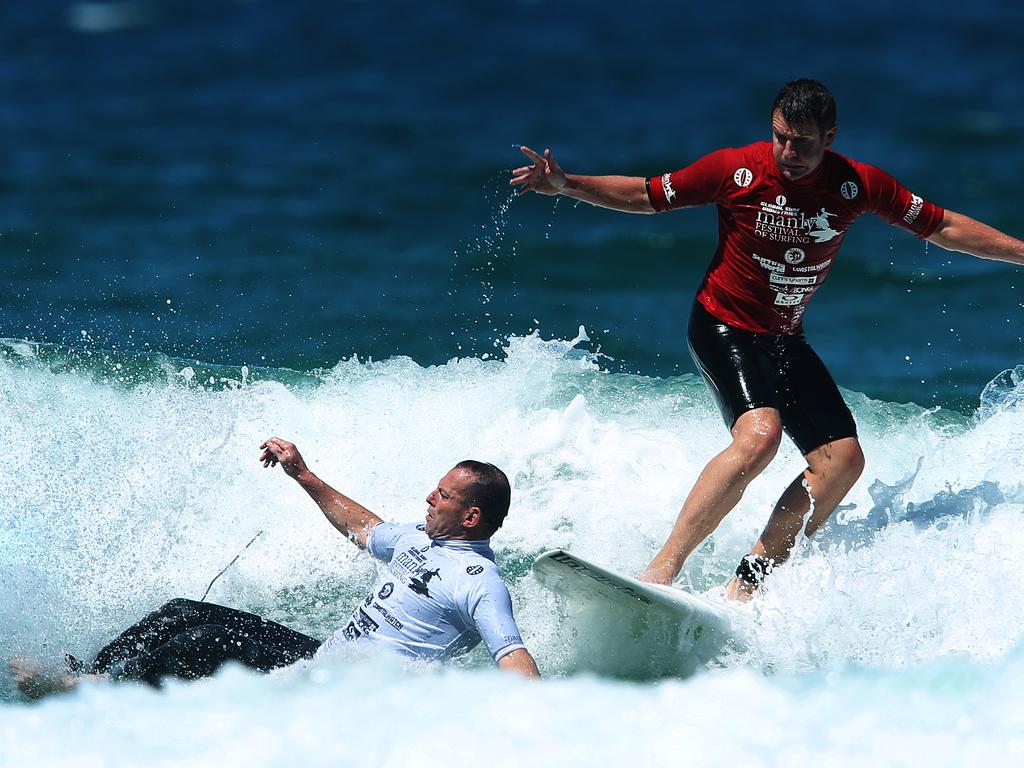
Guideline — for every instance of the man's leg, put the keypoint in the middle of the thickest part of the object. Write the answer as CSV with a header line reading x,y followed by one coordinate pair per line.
x,y
831,472
200,651
755,441
180,615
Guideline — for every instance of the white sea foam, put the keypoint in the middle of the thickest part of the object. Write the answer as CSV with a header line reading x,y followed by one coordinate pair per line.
x,y
896,627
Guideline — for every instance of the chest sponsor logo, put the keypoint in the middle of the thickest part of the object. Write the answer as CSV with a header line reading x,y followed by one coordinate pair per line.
x,y
792,291
418,584
777,279
666,186
359,625
474,570
389,617
386,590
743,177
916,204
410,567
849,190
786,224
781,201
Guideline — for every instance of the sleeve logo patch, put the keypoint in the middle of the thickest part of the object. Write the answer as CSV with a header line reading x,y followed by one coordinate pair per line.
x,y
666,186
849,190
474,570
916,204
743,177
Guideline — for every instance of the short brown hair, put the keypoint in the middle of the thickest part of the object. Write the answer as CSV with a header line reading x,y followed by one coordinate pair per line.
x,y
490,491
805,102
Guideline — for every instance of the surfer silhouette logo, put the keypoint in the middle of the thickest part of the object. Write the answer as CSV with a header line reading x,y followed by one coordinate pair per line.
x,y
819,228
419,586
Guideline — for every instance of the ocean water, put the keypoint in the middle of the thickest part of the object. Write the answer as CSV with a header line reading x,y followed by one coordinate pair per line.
x,y
222,221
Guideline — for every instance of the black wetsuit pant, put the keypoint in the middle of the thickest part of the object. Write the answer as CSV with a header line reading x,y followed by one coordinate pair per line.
x,y
189,640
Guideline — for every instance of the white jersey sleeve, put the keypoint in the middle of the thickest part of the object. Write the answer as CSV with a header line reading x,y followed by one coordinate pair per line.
x,y
382,539
490,610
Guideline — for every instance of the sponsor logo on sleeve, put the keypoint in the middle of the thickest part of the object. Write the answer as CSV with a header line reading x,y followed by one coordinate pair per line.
x,y
849,190
743,177
474,570
916,204
666,185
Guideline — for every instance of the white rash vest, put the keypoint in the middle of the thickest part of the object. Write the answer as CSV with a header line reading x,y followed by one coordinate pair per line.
x,y
435,600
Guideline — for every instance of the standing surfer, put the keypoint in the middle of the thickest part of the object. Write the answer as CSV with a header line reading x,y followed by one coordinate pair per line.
x,y
784,207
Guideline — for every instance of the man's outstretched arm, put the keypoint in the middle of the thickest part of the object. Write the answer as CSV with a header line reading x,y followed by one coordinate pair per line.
x,y
957,232
546,177
348,516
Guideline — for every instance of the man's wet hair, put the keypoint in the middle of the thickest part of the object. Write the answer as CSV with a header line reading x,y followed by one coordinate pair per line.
x,y
806,102
490,491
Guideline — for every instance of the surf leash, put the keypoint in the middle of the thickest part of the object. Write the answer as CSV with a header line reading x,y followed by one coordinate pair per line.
x,y
225,568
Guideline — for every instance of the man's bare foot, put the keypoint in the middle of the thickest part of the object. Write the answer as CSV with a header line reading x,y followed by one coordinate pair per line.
x,y
656,573
739,590
35,682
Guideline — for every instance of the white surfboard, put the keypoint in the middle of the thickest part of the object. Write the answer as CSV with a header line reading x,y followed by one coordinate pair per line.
x,y
627,628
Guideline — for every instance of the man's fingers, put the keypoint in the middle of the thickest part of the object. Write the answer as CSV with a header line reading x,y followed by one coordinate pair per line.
x,y
531,154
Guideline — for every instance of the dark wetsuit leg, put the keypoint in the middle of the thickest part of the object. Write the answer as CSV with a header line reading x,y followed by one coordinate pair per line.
x,y
169,639
201,651
746,370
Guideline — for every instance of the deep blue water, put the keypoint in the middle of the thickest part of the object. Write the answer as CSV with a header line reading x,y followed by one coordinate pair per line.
x,y
290,184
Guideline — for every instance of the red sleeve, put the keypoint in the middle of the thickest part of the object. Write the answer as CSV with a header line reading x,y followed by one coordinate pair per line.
x,y
897,205
697,184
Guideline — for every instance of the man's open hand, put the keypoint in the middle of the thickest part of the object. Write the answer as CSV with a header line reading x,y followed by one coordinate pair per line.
x,y
277,451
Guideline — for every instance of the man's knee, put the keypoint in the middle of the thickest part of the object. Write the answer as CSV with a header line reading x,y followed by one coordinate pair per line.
x,y
757,436
842,459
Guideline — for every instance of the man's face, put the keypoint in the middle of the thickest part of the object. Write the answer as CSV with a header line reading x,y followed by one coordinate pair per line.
x,y
448,508
798,149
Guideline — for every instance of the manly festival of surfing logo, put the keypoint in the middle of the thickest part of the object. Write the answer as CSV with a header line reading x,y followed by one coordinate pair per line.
x,y
786,224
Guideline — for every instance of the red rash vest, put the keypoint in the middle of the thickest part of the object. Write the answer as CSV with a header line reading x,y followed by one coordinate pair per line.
x,y
777,238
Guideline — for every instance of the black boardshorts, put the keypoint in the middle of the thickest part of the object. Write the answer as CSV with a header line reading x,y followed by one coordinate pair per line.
x,y
746,370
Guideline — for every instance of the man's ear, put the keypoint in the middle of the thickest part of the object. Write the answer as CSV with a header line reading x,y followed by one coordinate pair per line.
x,y
471,517
830,136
